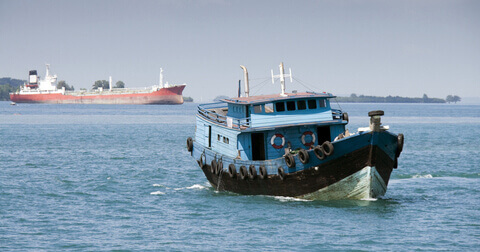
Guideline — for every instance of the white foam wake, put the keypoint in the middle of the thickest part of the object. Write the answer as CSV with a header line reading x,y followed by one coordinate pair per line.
x,y
422,176
157,193
288,199
197,186
369,199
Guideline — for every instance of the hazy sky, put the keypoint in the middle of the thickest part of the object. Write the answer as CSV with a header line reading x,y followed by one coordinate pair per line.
x,y
404,48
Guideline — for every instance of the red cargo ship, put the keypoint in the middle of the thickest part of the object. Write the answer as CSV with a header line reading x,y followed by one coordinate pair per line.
x,y
46,91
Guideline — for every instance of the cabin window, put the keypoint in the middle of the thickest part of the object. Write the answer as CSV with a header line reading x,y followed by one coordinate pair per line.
x,y
269,108
290,105
323,103
223,139
312,104
301,105
280,106
257,109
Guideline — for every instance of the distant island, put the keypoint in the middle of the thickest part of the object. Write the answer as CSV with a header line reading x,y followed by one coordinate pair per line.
x,y
379,99
220,98
187,99
7,86
396,99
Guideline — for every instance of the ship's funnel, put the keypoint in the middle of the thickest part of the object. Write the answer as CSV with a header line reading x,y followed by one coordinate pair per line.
x,y
245,76
33,78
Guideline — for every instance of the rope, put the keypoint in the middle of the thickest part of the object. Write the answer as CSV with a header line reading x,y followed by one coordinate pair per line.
x,y
303,84
338,104
259,86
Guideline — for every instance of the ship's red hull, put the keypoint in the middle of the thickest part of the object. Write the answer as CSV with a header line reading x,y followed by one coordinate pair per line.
x,y
170,95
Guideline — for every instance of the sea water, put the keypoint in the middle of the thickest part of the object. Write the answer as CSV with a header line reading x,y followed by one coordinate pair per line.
x,y
119,177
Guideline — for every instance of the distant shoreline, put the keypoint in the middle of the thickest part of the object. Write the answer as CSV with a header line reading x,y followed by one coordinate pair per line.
x,y
388,99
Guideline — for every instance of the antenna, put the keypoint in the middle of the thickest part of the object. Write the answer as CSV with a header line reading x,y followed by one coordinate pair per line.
x,y
282,76
239,88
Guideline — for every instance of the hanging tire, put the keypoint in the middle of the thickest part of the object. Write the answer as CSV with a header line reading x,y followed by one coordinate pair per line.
x,y
219,167
318,150
303,156
243,172
345,116
400,141
252,172
263,172
232,171
289,160
281,173
213,166
189,144
203,160
327,148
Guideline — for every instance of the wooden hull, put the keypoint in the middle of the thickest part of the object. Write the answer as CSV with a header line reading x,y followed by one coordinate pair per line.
x,y
362,173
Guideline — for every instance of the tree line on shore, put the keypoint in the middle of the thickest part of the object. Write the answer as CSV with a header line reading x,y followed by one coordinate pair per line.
x,y
106,85
397,99
7,86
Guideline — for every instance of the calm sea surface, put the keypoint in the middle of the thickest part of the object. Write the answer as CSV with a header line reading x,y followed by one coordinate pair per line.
x,y
106,177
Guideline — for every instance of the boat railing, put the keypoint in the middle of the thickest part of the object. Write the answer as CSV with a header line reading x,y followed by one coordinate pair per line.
x,y
210,112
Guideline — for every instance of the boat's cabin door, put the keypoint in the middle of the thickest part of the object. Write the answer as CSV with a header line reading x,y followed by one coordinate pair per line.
x,y
323,134
258,146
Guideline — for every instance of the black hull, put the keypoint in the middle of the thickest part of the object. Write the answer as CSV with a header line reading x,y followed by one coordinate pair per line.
x,y
309,180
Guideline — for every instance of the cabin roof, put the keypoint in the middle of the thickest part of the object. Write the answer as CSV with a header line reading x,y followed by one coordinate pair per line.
x,y
275,97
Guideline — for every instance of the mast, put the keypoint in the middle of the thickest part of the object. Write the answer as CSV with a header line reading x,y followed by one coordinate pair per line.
x,y
245,76
282,76
161,78
48,70
48,82
110,83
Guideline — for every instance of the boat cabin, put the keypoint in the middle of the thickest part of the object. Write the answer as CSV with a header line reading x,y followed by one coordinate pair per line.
x,y
268,127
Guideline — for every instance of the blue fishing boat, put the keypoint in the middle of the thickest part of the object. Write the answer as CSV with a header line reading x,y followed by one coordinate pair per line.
x,y
294,145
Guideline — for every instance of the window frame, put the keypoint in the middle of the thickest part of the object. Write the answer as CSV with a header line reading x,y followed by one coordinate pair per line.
x,y
282,105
